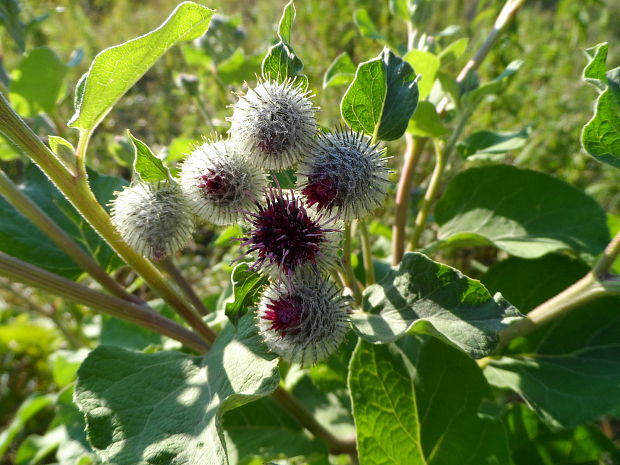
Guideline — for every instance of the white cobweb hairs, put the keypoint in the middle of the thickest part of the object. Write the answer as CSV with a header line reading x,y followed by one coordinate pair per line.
x,y
274,123
220,183
153,218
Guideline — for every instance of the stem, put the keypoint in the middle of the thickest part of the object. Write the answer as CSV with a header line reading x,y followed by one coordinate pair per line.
x,y
414,147
29,305
584,290
77,190
597,283
167,265
505,17
40,219
429,195
336,446
25,273
346,263
602,268
369,267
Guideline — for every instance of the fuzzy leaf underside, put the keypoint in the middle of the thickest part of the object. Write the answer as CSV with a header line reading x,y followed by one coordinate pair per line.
x,y
166,407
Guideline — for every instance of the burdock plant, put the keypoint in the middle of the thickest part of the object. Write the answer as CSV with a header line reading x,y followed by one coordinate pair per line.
x,y
312,214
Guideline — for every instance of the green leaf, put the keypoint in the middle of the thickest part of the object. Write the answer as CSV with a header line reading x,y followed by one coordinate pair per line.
x,y
426,297
218,43
426,65
64,151
286,22
454,51
534,443
493,142
525,213
115,70
28,409
247,287
384,406
400,8
568,371
35,448
117,332
418,404
340,72
65,364
382,97
146,165
264,430
166,407
37,82
22,239
426,122
601,135
365,25
472,98
281,62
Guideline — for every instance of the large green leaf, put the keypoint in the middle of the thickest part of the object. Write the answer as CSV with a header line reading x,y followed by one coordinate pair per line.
x,y
418,404
525,213
115,70
601,135
166,407
21,239
264,430
567,371
426,297
427,65
382,97
534,443
37,82
492,142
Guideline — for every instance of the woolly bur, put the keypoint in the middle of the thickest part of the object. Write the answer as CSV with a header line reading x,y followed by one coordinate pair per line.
x,y
153,218
303,320
285,236
219,182
274,123
345,175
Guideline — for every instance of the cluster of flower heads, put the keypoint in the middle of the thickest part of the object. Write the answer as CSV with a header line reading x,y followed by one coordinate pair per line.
x,y
293,236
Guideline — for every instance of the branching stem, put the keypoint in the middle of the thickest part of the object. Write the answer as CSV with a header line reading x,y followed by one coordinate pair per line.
x,y
30,275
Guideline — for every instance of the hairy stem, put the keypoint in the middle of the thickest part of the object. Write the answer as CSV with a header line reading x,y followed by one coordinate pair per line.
x,y
414,147
336,446
40,219
346,263
429,195
77,190
505,17
597,283
168,266
25,273
369,267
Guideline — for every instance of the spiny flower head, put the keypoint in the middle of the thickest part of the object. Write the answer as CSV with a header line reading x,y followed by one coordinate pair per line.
x,y
303,320
345,175
219,182
153,218
275,123
286,236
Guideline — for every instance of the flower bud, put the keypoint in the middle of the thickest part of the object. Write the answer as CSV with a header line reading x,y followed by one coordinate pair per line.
x,y
305,320
153,218
345,175
219,182
275,123
286,237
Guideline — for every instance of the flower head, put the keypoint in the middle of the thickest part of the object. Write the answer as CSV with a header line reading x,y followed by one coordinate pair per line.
x,y
304,320
345,175
153,218
286,236
219,182
274,123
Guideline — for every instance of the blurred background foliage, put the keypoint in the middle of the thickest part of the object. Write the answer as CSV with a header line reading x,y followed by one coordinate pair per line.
x,y
184,97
